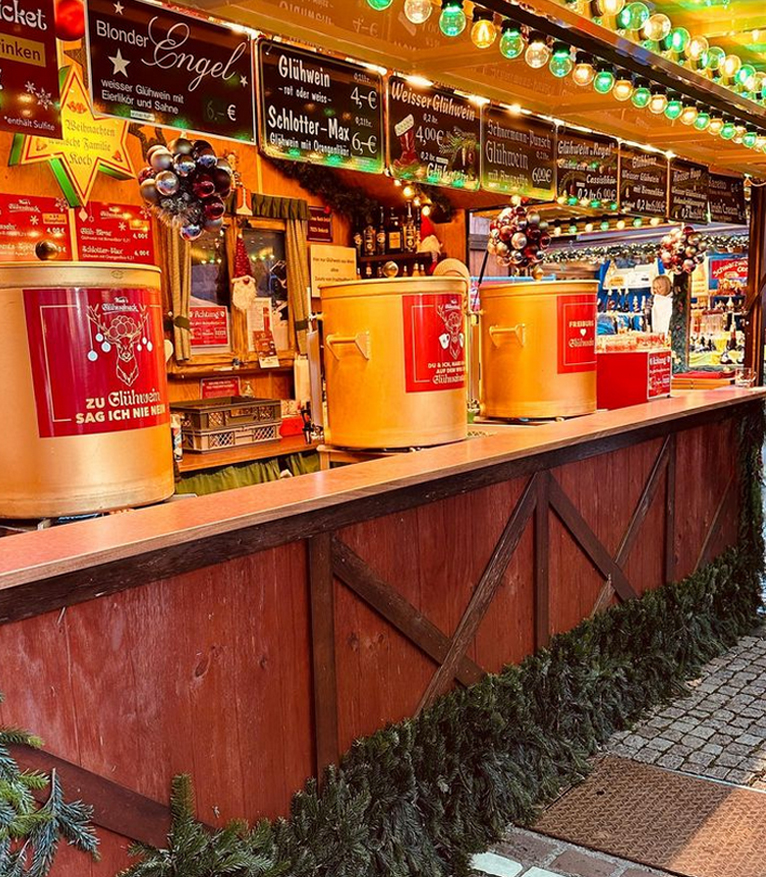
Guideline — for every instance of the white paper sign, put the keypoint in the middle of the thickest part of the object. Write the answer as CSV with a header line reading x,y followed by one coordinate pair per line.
x,y
331,264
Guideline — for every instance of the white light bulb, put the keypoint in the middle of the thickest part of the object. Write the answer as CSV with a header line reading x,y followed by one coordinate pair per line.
x,y
418,11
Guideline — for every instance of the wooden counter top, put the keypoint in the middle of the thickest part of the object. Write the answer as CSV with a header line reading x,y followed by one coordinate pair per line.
x,y
68,554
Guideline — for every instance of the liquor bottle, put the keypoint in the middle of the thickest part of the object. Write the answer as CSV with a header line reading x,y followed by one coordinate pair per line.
x,y
410,232
358,242
368,271
368,238
380,236
394,233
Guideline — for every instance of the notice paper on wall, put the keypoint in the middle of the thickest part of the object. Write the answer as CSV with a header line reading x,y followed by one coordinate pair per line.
x,y
331,264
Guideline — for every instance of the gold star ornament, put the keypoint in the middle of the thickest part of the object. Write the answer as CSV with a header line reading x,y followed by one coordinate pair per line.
x,y
89,145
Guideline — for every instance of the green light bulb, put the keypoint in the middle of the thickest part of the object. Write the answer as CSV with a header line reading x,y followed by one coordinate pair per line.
x,y
511,43
702,121
638,15
379,5
750,139
641,97
452,21
715,57
604,81
728,131
638,222
561,63
679,40
674,109
745,75
573,228
604,225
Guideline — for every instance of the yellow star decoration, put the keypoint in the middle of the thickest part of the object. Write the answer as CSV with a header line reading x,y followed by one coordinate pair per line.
x,y
89,144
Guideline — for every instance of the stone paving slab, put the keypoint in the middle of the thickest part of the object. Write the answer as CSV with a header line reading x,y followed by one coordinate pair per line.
x,y
719,730
525,853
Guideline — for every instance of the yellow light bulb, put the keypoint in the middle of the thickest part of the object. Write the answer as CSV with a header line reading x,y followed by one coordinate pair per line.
x,y
715,126
483,33
621,224
612,7
583,73
689,115
731,65
697,47
426,211
588,227
623,90
408,192
655,220
657,103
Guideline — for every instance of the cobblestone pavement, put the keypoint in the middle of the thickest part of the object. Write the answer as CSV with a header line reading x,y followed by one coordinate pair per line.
x,y
526,854
719,730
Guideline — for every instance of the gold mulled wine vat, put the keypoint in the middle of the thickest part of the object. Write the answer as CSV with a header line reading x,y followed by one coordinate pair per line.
x,y
538,349
395,362
86,418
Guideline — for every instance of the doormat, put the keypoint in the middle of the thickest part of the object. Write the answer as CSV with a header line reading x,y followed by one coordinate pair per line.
x,y
664,820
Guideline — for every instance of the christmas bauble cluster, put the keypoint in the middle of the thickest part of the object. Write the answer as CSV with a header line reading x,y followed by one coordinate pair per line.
x,y
682,250
185,184
518,238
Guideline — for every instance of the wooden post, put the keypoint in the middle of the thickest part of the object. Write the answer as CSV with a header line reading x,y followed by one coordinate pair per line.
x,y
756,283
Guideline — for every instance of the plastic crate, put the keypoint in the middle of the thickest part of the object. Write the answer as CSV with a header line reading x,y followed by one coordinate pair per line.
x,y
234,437
227,412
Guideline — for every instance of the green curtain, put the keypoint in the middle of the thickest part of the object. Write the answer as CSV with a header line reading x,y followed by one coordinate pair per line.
x,y
274,207
175,259
247,474
296,251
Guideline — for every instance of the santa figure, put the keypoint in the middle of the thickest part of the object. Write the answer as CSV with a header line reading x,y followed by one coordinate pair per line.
x,y
243,289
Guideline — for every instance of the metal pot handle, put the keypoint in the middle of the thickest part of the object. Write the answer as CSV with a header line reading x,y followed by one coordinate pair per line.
x,y
360,341
498,334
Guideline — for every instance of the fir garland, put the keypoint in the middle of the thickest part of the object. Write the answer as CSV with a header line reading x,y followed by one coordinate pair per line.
x,y
422,796
352,202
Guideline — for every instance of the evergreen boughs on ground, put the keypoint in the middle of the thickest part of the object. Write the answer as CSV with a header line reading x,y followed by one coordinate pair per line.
x,y
30,833
420,797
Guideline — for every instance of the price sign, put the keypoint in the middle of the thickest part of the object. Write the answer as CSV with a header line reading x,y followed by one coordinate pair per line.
x,y
313,108
25,220
586,168
688,191
727,199
433,136
113,233
517,155
643,182
158,66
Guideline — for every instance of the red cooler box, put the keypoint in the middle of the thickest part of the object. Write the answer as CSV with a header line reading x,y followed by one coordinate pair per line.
x,y
632,377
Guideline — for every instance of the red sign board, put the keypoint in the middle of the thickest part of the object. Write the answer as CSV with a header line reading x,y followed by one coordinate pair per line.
x,y
209,328
114,233
27,220
728,269
434,342
214,388
576,333
97,360
30,74
659,366
319,225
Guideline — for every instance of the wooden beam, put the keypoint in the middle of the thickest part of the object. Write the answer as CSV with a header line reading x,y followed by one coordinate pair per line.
x,y
670,513
389,604
484,593
542,563
322,600
588,541
115,808
705,555
644,504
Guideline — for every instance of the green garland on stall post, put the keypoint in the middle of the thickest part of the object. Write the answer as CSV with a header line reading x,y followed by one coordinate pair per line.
x,y
423,795
351,201
679,323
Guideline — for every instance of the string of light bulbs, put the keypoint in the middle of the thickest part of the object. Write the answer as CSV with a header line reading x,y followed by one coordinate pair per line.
x,y
539,51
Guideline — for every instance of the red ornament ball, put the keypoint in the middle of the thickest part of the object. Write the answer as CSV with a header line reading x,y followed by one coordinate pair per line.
x,y
70,20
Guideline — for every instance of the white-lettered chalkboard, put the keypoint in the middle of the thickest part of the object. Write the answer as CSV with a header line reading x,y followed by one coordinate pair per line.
x,y
586,168
433,135
727,199
313,108
689,184
517,154
643,182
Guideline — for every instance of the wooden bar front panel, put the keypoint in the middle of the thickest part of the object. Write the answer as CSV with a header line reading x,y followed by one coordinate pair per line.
x,y
210,672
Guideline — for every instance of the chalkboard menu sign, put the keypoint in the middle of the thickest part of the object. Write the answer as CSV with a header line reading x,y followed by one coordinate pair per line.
x,y
688,191
154,65
517,155
643,182
727,199
433,135
313,108
586,168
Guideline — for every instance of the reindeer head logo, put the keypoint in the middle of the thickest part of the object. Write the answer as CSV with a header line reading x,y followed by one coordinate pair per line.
x,y
125,330
454,338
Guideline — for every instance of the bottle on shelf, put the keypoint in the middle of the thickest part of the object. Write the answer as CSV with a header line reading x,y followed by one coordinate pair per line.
x,y
380,235
369,242
358,241
394,233
410,231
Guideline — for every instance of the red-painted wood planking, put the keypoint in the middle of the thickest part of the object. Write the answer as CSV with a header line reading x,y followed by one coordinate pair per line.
x,y
210,672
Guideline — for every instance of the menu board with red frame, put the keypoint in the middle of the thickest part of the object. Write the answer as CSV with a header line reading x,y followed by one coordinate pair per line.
x,y
114,233
25,220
